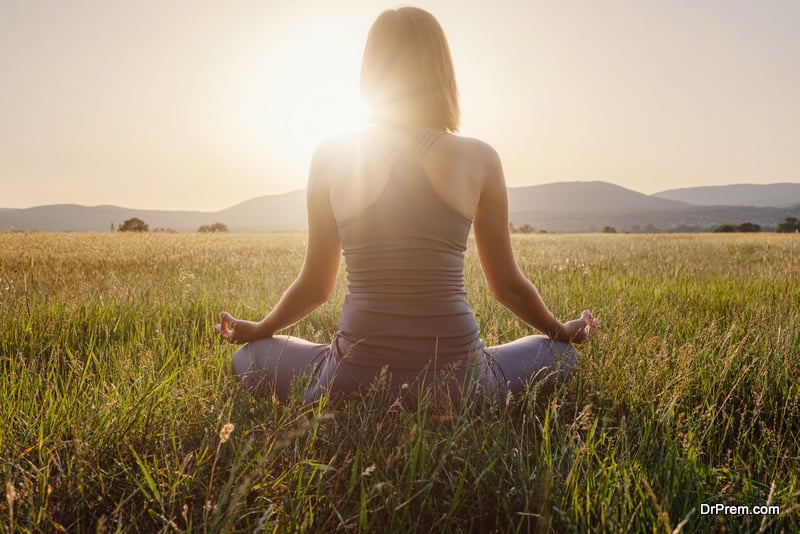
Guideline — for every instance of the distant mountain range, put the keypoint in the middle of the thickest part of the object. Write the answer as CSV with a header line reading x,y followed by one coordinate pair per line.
x,y
766,196
271,213
558,207
591,206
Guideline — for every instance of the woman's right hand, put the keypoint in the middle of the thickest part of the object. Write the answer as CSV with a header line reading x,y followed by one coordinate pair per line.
x,y
236,331
580,330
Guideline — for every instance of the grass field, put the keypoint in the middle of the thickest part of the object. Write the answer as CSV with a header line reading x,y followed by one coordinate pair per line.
x,y
115,394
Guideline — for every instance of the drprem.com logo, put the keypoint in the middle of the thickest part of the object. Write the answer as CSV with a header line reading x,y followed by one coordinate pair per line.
x,y
723,509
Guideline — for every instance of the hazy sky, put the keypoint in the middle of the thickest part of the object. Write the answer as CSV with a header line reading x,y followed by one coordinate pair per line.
x,y
200,105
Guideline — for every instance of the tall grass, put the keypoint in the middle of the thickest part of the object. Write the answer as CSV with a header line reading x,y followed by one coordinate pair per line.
x,y
115,392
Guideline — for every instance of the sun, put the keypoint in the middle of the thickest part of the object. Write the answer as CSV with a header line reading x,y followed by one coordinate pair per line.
x,y
283,102
317,107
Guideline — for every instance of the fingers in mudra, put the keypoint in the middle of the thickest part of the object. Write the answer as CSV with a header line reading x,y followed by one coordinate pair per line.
x,y
226,327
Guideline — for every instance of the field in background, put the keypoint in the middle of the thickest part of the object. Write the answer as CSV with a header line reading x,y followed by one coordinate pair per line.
x,y
114,392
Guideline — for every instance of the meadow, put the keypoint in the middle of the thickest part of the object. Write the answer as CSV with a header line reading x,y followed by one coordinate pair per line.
x,y
117,401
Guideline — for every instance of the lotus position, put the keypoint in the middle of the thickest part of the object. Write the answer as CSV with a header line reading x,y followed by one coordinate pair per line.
x,y
399,200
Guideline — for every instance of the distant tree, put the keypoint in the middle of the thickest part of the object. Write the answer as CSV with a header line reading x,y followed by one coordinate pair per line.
x,y
749,227
744,227
134,224
526,229
112,226
789,225
213,228
609,230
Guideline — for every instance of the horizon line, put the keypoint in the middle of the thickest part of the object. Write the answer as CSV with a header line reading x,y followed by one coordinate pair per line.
x,y
293,191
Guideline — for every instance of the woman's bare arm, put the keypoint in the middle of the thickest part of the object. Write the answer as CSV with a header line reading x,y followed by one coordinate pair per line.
x,y
506,282
317,278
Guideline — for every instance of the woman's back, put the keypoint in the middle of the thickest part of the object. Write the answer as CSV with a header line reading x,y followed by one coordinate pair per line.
x,y
404,249
358,167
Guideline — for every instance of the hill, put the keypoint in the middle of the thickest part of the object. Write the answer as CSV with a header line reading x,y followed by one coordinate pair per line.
x,y
585,197
763,195
691,219
75,218
278,213
272,213
559,207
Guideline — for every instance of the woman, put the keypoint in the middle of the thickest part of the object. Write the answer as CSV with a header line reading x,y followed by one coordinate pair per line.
x,y
399,199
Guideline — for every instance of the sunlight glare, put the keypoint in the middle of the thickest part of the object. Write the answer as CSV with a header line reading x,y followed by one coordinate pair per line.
x,y
295,95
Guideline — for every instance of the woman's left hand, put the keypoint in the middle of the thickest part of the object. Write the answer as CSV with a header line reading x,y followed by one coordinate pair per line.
x,y
235,330
580,330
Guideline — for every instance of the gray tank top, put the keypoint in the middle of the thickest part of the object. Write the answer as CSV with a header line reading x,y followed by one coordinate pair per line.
x,y
406,305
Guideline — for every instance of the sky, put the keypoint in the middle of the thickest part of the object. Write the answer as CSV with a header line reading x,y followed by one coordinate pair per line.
x,y
199,105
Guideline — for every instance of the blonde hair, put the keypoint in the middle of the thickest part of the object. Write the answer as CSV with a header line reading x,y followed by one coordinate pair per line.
x,y
407,74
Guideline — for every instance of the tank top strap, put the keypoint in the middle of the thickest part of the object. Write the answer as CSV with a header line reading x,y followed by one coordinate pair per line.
x,y
414,146
423,140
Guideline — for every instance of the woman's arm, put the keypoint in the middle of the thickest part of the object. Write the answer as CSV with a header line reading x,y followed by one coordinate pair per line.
x,y
506,282
317,278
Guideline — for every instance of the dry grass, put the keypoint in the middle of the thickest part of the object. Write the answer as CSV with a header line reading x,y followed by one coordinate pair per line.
x,y
115,394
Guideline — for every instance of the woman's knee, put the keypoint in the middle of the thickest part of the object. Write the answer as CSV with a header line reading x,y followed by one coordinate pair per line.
x,y
247,359
251,369
535,359
565,358
241,361
268,366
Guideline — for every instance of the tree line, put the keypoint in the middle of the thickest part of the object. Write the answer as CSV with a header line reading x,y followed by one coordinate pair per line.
x,y
135,224
789,225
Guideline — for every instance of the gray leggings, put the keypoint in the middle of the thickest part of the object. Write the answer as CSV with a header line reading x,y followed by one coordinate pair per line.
x,y
269,367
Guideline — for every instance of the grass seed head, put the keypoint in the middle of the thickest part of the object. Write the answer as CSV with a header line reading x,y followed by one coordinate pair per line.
x,y
225,433
11,494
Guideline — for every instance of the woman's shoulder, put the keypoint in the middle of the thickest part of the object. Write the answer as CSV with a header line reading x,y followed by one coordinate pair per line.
x,y
334,156
472,145
476,153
